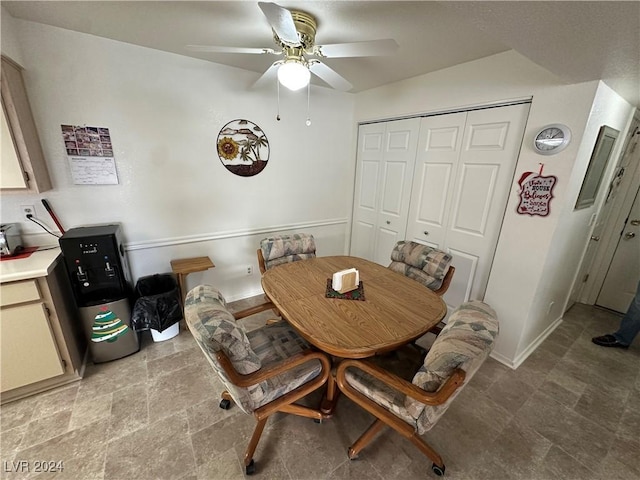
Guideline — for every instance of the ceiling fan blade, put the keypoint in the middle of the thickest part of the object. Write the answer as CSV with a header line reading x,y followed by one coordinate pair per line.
x,y
282,22
369,48
268,76
218,49
330,76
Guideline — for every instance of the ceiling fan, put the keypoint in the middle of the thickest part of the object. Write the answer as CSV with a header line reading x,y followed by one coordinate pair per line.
x,y
294,34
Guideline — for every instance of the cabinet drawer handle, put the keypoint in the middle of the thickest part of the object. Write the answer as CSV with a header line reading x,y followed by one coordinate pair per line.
x,y
425,232
388,222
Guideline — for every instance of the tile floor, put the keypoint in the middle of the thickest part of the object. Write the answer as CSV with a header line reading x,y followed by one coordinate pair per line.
x,y
571,411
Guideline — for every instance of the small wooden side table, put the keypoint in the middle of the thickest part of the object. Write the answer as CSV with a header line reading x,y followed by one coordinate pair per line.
x,y
183,267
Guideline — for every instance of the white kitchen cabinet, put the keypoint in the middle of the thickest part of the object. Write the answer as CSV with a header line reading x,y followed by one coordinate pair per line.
x,y
40,343
24,168
28,349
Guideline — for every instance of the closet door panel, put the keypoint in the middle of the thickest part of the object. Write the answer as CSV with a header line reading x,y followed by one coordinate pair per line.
x,y
386,240
443,181
474,198
365,208
466,269
395,186
435,170
367,198
488,157
392,190
431,207
362,236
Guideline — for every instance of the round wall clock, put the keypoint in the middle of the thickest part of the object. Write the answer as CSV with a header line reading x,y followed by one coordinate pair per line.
x,y
243,148
552,139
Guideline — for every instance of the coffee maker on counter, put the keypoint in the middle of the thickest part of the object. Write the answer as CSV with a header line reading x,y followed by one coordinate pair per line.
x,y
10,239
101,284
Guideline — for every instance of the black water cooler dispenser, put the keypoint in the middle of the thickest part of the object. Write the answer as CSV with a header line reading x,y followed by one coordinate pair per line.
x,y
101,284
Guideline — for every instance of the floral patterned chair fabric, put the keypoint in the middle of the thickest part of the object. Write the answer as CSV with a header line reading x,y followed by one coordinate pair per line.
x,y
264,370
284,249
427,265
413,408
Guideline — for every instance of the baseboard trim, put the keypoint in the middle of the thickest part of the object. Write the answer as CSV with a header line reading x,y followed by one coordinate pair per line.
x,y
498,357
519,359
244,296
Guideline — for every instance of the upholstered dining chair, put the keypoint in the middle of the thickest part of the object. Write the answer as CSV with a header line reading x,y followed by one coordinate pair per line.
x,y
426,265
281,249
265,370
413,408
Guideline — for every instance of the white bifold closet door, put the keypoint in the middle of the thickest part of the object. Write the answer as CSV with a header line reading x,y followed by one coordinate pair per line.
x,y
463,174
384,172
441,180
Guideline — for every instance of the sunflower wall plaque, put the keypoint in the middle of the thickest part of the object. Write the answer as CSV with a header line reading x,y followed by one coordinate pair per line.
x,y
243,148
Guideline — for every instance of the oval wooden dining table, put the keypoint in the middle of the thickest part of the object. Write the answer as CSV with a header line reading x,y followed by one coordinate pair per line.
x,y
396,309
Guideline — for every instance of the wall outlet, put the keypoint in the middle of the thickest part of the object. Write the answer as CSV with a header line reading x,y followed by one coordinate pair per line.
x,y
27,210
249,270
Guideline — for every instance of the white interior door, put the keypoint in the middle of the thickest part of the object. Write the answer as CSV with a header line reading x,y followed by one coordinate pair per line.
x,y
386,155
434,177
488,158
621,281
465,166
365,211
401,139
611,220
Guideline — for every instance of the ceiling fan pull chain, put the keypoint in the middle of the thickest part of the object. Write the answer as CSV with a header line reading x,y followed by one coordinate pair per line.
x,y
278,88
308,122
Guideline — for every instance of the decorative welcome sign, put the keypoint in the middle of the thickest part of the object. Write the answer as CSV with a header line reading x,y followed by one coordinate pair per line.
x,y
536,192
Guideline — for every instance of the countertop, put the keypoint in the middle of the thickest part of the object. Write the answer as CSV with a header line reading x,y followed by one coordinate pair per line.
x,y
38,264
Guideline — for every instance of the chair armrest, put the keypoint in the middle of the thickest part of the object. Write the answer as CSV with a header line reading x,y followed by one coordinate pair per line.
x,y
428,398
274,369
446,281
261,264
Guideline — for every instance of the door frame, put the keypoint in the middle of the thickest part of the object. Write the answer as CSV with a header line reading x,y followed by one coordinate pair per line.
x,y
614,224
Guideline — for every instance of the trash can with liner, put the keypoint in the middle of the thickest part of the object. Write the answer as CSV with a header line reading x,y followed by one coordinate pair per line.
x,y
157,307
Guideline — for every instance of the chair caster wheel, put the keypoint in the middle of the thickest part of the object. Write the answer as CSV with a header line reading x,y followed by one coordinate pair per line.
x,y
225,404
439,471
251,468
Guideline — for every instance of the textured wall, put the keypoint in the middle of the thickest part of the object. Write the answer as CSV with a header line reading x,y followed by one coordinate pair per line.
x,y
164,112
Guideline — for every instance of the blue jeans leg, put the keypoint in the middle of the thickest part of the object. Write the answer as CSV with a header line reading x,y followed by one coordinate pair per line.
x,y
630,323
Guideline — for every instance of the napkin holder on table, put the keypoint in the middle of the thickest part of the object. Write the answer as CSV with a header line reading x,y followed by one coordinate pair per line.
x,y
345,280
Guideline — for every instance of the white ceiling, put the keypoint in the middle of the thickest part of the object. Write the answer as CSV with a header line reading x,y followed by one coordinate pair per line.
x,y
578,41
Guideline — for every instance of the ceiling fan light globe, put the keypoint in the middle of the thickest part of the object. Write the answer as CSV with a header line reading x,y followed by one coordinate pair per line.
x,y
293,75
